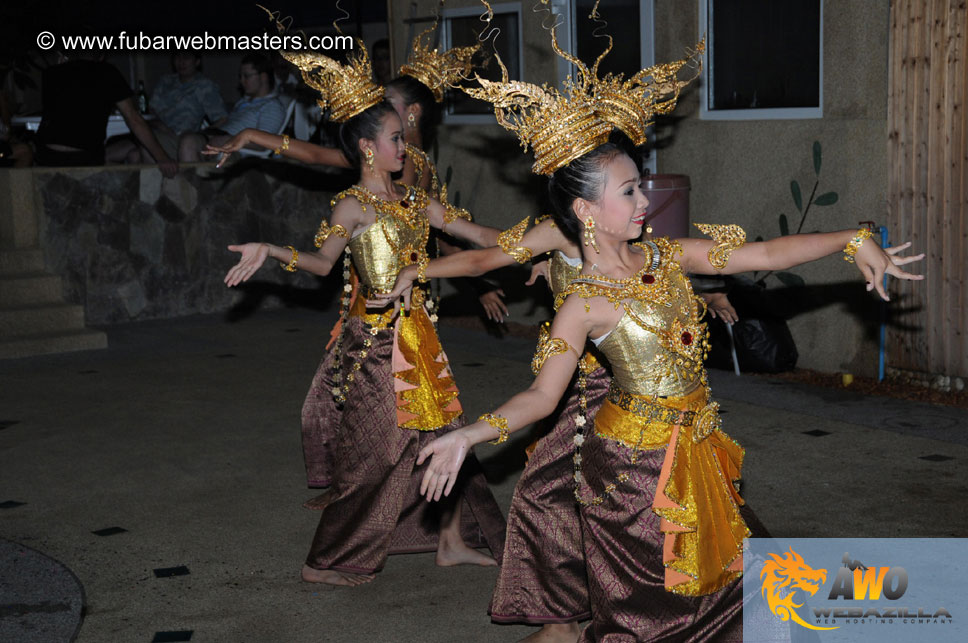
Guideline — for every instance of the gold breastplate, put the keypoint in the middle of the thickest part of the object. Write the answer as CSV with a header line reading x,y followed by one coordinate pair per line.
x,y
658,346
397,238
561,273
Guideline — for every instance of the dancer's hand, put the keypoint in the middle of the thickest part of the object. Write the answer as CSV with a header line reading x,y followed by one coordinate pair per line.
x,y
253,256
403,284
380,301
719,307
539,269
234,144
494,308
446,455
874,262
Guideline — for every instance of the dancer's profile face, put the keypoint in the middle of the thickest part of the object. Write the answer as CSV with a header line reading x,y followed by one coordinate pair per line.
x,y
389,147
620,210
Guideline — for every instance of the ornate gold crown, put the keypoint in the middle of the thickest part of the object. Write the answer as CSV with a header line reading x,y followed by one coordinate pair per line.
x,y
559,127
631,105
437,70
563,126
346,89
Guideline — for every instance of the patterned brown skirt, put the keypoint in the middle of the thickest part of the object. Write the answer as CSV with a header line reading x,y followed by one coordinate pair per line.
x,y
542,578
376,508
623,550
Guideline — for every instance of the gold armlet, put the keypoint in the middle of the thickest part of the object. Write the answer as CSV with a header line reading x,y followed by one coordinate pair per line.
x,y
499,423
282,148
452,212
291,266
854,245
727,237
509,240
325,231
548,346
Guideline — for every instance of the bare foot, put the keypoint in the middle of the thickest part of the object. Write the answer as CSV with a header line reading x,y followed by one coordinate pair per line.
x,y
333,577
318,503
555,633
450,554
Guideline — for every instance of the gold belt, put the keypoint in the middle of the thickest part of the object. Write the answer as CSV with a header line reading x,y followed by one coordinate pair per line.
x,y
704,421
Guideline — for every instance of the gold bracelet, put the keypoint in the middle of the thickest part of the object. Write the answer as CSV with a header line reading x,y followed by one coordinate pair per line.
x,y
282,148
422,269
291,266
855,243
499,423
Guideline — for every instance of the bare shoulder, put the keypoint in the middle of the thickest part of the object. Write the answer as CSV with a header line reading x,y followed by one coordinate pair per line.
x,y
597,315
350,212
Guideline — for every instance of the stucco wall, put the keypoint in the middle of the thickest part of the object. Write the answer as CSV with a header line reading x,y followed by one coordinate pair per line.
x,y
741,170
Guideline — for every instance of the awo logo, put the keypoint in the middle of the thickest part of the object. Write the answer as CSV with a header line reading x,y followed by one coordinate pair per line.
x,y
784,576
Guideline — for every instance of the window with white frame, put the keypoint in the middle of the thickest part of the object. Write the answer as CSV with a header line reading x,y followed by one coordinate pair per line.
x,y
462,28
630,23
763,60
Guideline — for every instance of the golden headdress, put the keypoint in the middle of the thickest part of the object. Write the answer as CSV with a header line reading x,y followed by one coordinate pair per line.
x,y
631,105
563,126
346,90
438,70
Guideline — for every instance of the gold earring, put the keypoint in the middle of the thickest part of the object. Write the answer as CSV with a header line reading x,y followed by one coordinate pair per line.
x,y
648,229
369,158
411,120
589,233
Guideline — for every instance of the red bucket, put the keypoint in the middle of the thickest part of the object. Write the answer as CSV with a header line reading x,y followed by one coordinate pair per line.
x,y
668,211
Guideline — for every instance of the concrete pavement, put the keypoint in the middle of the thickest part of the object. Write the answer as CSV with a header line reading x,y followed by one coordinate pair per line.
x,y
184,435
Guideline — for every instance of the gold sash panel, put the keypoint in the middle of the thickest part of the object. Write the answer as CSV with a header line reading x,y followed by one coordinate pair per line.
x,y
696,498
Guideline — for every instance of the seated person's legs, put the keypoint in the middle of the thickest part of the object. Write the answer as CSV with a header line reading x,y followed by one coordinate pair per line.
x,y
190,146
168,140
122,149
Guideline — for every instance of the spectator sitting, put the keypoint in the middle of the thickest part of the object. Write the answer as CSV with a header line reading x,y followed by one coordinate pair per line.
x,y
259,108
180,101
78,96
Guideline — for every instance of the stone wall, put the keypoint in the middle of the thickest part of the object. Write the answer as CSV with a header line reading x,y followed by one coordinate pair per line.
x,y
133,246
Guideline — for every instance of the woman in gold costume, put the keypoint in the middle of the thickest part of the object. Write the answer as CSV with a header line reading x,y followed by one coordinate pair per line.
x,y
662,527
392,380
414,95
543,580
660,515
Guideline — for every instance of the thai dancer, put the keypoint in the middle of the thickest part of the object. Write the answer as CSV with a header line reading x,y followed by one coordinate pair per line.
x,y
391,380
414,95
655,478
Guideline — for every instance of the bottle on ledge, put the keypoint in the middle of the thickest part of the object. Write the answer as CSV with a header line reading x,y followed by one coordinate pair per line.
x,y
142,98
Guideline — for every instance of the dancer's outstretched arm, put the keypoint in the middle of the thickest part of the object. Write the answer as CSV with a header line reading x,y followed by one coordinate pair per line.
x,y
299,150
542,238
785,252
571,327
347,216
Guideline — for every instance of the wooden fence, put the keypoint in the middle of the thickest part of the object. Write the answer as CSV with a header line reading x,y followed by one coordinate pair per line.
x,y
928,183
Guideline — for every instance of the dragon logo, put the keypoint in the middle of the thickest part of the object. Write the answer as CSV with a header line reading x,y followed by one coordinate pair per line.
x,y
790,572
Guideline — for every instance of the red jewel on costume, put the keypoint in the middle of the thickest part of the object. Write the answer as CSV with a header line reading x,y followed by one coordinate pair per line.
x,y
405,203
413,257
648,279
686,338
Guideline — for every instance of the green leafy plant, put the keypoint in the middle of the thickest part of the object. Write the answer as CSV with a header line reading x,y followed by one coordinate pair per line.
x,y
825,199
